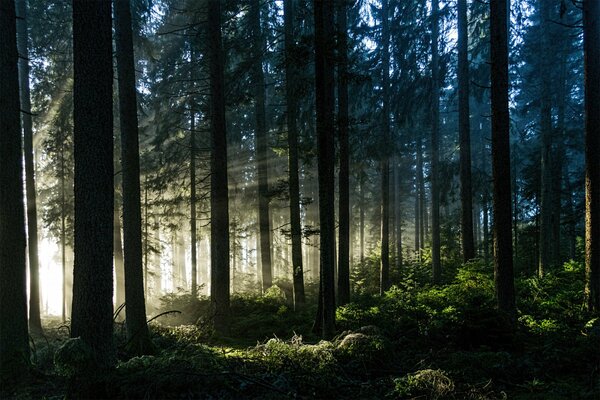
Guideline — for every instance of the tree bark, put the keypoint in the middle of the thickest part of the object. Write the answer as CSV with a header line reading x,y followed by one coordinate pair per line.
x,y
135,310
344,174
503,262
384,278
324,83
464,132
293,181
94,185
14,339
591,38
219,195
435,146
193,204
262,146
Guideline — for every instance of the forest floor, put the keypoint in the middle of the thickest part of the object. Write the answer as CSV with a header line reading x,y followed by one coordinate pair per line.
x,y
416,342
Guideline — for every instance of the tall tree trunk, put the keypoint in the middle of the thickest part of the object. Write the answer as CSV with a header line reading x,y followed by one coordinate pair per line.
x,y
464,132
35,323
591,38
294,184
137,328
63,230
435,146
193,203
219,196
422,206
324,83
384,279
94,186
344,174
261,146
546,144
361,217
14,340
398,219
503,262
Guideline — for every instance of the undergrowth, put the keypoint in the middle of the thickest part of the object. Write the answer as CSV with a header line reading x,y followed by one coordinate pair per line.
x,y
416,341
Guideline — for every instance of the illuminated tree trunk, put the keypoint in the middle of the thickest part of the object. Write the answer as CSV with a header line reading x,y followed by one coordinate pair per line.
x,y
591,38
503,262
14,339
219,196
94,185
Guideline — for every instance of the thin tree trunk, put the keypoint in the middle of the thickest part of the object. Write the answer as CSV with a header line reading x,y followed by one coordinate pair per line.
x,y
35,323
219,196
435,146
361,181
591,38
63,230
118,259
324,83
384,279
344,174
261,146
193,201
464,131
503,262
398,219
14,339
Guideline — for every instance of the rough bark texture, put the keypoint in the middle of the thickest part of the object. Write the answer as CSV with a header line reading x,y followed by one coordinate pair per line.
x,y
293,181
344,174
261,146
118,260
219,196
324,82
14,340
94,170
137,329
464,133
384,277
591,38
503,262
435,145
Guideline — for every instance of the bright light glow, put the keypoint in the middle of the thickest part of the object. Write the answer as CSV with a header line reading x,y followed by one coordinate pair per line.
x,y
51,277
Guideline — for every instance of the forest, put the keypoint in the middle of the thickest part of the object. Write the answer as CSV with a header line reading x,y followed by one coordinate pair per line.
x,y
285,199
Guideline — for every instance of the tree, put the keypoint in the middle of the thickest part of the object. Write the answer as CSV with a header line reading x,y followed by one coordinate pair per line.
x,y
503,262
94,170
324,86
591,38
219,197
464,132
344,174
14,340
435,144
261,146
292,139
385,162
135,306
35,323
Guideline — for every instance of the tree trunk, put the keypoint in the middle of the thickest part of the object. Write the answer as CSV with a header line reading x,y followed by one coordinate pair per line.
x,y
193,201
503,262
14,340
464,132
35,323
294,184
591,38
94,185
324,82
118,260
398,217
261,146
219,196
137,328
435,146
384,278
344,174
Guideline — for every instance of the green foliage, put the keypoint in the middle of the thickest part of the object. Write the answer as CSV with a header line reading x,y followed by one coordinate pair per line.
x,y
74,356
427,383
